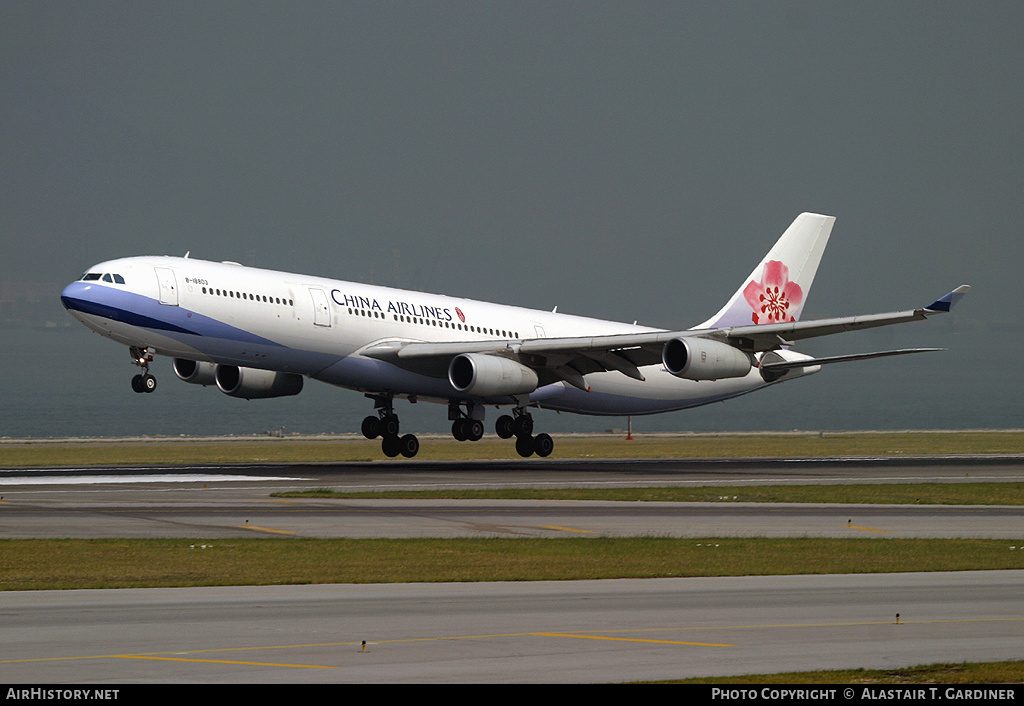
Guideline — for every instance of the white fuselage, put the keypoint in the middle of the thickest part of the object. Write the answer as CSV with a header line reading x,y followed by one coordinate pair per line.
x,y
228,314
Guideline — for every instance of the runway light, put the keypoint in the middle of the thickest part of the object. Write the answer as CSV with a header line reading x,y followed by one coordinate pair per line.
x,y
897,618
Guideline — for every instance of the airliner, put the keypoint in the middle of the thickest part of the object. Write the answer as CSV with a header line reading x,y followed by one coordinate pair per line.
x,y
257,333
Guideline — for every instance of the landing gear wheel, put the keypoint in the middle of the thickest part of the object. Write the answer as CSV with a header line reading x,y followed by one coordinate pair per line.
x,y
523,425
371,427
391,446
543,445
524,446
409,445
474,429
459,430
389,425
504,427
144,383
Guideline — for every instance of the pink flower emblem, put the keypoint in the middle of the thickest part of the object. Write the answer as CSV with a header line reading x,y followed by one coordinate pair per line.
x,y
774,296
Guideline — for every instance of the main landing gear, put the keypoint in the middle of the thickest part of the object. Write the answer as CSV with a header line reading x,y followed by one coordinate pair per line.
x,y
467,425
385,425
520,425
143,382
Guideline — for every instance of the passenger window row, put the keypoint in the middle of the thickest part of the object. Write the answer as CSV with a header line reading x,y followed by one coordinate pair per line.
x,y
247,296
437,324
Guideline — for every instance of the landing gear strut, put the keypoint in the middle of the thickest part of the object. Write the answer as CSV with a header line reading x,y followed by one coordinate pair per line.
x,y
385,425
143,382
520,425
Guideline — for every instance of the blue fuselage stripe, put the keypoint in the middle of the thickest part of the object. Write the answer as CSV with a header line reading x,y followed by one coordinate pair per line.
x,y
144,312
123,316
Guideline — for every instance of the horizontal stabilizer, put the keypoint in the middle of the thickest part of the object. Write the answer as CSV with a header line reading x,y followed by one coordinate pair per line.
x,y
807,362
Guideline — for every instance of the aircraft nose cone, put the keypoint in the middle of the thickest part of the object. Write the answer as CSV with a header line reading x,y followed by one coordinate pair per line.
x,y
82,298
67,295
88,303
73,294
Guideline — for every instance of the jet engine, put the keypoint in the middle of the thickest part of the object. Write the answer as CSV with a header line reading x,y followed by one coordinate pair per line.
x,y
251,383
195,372
490,375
704,359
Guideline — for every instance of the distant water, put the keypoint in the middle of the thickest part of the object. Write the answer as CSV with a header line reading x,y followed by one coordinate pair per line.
x,y
66,381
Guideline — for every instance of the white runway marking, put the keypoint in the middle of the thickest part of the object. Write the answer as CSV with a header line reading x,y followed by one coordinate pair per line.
x,y
149,478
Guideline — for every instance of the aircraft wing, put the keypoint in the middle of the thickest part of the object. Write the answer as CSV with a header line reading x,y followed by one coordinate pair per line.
x,y
766,337
568,359
804,362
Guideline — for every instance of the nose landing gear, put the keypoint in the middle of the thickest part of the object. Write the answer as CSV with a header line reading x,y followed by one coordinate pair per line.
x,y
143,382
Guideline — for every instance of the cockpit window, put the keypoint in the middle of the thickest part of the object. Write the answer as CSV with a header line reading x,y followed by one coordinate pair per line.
x,y
106,277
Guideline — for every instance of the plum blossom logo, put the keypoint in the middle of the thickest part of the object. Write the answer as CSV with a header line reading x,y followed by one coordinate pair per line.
x,y
462,317
774,296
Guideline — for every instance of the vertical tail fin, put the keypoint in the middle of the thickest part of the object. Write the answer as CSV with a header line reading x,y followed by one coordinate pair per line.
x,y
777,288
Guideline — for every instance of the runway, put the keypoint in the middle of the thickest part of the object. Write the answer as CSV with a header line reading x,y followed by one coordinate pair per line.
x,y
552,632
230,501
208,514
580,631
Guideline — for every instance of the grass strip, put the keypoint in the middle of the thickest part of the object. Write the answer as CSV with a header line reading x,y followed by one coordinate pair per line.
x,y
882,493
28,564
938,675
34,453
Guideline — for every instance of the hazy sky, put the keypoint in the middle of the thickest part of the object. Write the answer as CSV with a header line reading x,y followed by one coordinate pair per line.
x,y
629,160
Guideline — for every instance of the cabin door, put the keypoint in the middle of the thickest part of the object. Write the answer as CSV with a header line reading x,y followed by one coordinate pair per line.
x,y
321,308
168,286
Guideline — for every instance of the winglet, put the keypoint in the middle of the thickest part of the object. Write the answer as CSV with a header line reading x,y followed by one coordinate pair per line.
x,y
949,301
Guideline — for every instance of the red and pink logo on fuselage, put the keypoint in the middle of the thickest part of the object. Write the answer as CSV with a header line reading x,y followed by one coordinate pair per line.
x,y
462,317
774,299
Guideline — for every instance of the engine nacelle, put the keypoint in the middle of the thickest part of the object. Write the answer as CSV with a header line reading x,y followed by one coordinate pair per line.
x,y
703,359
490,375
195,372
251,383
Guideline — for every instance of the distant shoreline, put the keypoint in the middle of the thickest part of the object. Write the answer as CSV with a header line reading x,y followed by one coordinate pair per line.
x,y
348,436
